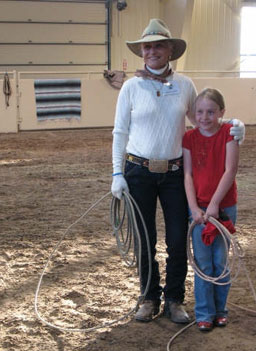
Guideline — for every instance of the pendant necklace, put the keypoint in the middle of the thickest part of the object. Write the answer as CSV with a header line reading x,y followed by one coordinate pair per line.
x,y
158,91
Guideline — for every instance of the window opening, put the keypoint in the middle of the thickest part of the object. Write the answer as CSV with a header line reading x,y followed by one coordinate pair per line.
x,y
248,43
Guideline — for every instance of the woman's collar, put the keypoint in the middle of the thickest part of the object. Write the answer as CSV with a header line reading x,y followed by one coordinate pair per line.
x,y
158,71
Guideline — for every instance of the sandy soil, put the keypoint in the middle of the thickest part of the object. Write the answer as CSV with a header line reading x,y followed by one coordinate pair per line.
x,y
47,182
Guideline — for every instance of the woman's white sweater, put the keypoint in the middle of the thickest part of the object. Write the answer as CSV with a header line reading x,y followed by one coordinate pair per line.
x,y
148,125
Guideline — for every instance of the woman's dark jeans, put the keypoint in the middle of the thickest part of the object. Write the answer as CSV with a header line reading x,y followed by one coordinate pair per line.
x,y
145,187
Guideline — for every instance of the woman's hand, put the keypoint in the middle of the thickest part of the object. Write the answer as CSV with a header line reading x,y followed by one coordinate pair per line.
x,y
119,185
238,129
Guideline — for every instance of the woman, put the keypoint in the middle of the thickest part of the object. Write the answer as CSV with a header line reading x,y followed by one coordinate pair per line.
x,y
147,136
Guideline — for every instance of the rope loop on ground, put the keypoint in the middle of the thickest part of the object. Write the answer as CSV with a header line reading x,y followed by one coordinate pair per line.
x,y
124,243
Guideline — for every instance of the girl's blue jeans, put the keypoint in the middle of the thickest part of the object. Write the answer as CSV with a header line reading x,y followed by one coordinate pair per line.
x,y
210,299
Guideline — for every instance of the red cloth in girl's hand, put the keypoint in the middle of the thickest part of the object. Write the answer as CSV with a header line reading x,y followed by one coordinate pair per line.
x,y
210,231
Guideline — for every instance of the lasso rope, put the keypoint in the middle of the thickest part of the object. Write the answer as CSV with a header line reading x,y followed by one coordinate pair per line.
x,y
124,243
237,261
132,237
124,210
7,89
228,239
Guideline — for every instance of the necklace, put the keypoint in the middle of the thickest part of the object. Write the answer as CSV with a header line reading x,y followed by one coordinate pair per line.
x,y
159,91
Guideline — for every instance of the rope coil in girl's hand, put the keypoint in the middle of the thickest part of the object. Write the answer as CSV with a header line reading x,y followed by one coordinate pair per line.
x,y
235,247
236,262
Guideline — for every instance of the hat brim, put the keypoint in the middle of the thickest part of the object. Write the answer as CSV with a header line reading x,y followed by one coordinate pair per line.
x,y
179,45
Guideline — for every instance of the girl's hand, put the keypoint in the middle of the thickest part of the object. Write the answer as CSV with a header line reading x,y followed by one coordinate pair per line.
x,y
212,211
198,215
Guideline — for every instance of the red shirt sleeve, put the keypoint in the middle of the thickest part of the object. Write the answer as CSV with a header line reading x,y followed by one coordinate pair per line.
x,y
228,126
186,142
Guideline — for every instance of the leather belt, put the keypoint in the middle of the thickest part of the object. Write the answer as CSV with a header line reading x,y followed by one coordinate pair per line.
x,y
156,166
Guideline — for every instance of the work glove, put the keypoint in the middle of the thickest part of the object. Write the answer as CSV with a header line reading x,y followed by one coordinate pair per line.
x,y
119,185
238,130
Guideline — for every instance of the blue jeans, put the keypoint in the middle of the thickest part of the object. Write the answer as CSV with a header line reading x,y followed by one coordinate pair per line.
x,y
210,299
146,187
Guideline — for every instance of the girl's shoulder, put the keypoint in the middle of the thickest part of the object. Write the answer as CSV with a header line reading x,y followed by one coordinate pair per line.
x,y
225,131
191,132
226,126
189,137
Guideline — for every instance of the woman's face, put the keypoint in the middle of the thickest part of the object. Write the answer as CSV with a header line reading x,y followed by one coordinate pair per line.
x,y
156,53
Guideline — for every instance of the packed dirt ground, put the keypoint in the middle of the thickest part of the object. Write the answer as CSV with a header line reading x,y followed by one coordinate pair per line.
x,y
48,179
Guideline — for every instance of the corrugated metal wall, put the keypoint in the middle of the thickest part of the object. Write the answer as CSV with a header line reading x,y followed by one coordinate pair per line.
x,y
129,25
211,28
53,35
214,40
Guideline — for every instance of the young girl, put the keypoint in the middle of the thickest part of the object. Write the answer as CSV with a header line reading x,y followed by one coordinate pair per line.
x,y
210,165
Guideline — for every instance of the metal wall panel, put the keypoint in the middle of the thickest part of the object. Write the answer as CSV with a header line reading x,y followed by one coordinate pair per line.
x,y
214,40
129,25
40,33
43,54
53,33
52,11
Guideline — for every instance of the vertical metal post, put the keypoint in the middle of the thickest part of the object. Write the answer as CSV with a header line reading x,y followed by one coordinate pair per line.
x,y
17,89
109,26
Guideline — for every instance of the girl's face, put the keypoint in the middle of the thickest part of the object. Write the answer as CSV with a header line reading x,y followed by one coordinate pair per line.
x,y
207,115
156,53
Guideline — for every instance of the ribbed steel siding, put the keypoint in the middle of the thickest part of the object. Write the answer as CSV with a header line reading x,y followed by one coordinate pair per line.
x,y
129,25
52,33
215,36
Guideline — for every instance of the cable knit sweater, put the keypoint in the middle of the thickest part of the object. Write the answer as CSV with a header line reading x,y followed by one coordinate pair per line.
x,y
148,125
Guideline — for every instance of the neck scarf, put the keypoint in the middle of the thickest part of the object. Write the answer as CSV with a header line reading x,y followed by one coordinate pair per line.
x,y
145,73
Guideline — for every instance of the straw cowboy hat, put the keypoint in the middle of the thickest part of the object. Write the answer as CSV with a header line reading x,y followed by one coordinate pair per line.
x,y
155,31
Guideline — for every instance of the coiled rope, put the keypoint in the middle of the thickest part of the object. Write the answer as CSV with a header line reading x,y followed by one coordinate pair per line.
x,y
7,89
124,210
124,242
236,263
235,247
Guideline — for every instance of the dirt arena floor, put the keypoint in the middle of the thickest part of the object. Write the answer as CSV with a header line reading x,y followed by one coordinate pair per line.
x,y
48,179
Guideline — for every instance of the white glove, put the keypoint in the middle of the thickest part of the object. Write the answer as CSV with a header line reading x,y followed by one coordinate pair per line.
x,y
119,185
238,130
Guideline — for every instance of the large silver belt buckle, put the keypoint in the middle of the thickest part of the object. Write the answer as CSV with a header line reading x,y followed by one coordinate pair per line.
x,y
158,166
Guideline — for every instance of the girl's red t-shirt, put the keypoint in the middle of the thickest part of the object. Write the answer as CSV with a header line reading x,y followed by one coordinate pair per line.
x,y
208,164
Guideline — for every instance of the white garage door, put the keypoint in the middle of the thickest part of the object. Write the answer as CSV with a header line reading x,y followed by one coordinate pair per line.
x,y
58,35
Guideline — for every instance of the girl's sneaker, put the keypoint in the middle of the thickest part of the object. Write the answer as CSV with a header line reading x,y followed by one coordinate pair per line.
x,y
221,321
205,326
